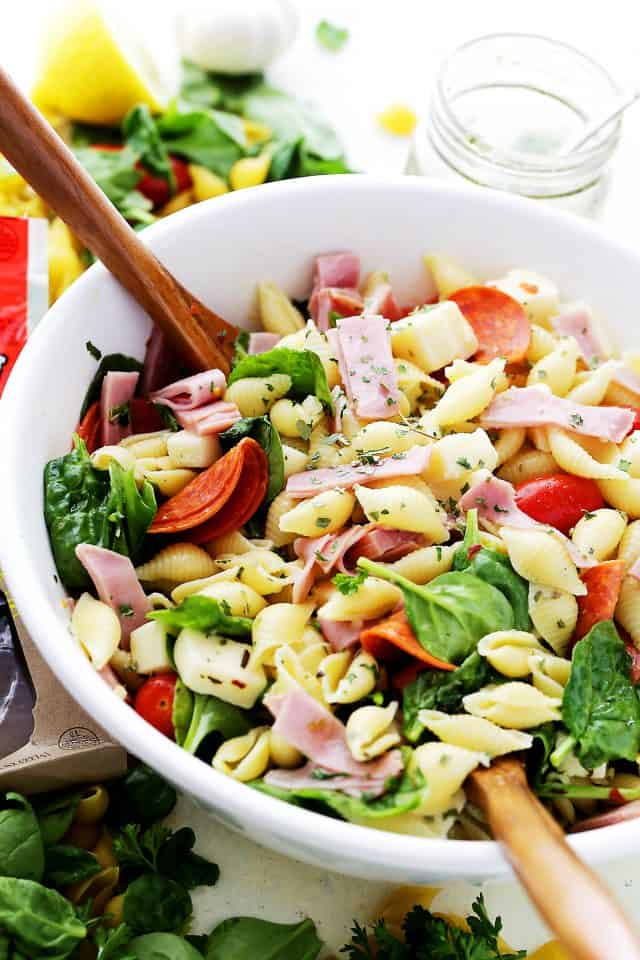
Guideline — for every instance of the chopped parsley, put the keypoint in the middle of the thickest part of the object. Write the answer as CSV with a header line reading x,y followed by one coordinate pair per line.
x,y
624,465
120,414
303,428
464,463
323,522
330,36
125,610
347,584
576,420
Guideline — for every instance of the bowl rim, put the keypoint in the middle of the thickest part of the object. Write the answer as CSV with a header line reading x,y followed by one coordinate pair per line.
x,y
323,837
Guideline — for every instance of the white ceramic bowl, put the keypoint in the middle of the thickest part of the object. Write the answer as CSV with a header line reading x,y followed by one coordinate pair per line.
x,y
219,249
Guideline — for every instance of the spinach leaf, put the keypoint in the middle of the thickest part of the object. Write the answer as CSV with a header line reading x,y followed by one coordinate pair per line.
x,y
291,119
110,362
115,173
211,138
85,505
176,859
539,756
206,715
66,864
330,36
79,508
440,690
153,903
137,506
141,135
221,90
110,943
141,797
182,711
138,849
600,707
451,613
41,922
303,366
263,432
290,158
55,814
494,568
21,847
161,946
202,613
247,938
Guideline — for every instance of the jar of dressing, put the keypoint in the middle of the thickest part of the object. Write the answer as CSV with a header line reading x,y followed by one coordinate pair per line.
x,y
503,108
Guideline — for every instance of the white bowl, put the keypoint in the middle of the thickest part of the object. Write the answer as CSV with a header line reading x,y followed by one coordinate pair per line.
x,y
219,250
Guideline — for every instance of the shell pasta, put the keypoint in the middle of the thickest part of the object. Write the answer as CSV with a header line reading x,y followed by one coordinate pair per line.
x,y
383,549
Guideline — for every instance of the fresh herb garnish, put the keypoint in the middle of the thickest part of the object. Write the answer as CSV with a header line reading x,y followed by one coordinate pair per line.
x,y
331,37
347,584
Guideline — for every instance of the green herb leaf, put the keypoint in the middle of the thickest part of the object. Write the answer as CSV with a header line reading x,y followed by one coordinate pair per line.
x,y
330,36
263,432
177,860
347,584
21,847
204,614
303,367
115,173
600,707
247,938
93,350
161,946
143,797
212,138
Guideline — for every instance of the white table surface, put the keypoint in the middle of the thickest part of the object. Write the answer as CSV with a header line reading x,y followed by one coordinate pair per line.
x,y
392,55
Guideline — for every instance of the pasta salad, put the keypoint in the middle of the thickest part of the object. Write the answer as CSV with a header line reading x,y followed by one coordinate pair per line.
x,y
395,543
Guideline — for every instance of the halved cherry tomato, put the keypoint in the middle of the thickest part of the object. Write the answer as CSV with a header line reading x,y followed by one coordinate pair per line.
x,y
499,322
559,499
90,428
155,188
386,639
154,702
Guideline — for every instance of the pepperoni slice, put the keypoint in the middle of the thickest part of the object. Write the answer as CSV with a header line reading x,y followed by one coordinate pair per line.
x,y
242,472
387,639
603,584
499,322
90,429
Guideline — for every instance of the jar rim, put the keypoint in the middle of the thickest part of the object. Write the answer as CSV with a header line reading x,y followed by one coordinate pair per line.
x,y
593,156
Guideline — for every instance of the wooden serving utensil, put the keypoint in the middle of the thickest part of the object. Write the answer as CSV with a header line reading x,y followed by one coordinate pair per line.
x,y
202,339
574,902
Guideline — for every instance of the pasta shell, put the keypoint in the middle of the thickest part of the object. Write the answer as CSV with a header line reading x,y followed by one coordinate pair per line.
x,y
628,608
371,731
540,557
254,396
515,705
177,563
554,614
509,651
374,598
244,758
324,513
629,549
598,534
421,566
526,465
347,679
474,733
574,458
557,369
96,628
277,313
403,508
445,768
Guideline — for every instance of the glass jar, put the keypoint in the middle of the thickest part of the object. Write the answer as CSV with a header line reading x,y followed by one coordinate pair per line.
x,y
502,109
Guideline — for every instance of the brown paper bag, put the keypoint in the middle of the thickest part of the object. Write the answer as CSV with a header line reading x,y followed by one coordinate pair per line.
x,y
66,745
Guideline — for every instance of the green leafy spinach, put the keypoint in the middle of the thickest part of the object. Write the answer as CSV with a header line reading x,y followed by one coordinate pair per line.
x,y
263,432
303,366
202,613
21,847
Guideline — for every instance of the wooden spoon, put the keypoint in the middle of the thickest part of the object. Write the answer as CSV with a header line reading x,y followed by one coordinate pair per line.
x,y
201,338
572,899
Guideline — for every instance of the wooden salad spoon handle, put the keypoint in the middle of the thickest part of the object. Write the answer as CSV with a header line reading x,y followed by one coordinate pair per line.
x,y
573,901
201,338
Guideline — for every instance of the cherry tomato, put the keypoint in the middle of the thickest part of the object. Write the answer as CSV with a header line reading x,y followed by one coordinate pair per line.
x,y
155,188
154,702
559,499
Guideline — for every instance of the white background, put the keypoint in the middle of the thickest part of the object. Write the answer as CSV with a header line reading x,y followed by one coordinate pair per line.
x,y
392,55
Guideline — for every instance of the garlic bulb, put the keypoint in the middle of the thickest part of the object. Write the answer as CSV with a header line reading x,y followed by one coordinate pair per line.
x,y
235,37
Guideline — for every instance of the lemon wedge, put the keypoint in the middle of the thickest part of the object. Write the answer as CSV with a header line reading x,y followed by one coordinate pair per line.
x,y
94,65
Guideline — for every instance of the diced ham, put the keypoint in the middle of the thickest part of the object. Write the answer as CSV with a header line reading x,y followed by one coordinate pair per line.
x,y
538,407
341,635
634,571
116,584
495,501
329,303
160,363
383,543
311,482
192,392
340,269
577,322
260,341
366,366
320,736
314,777
322,554
625,377
118,389
213,418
